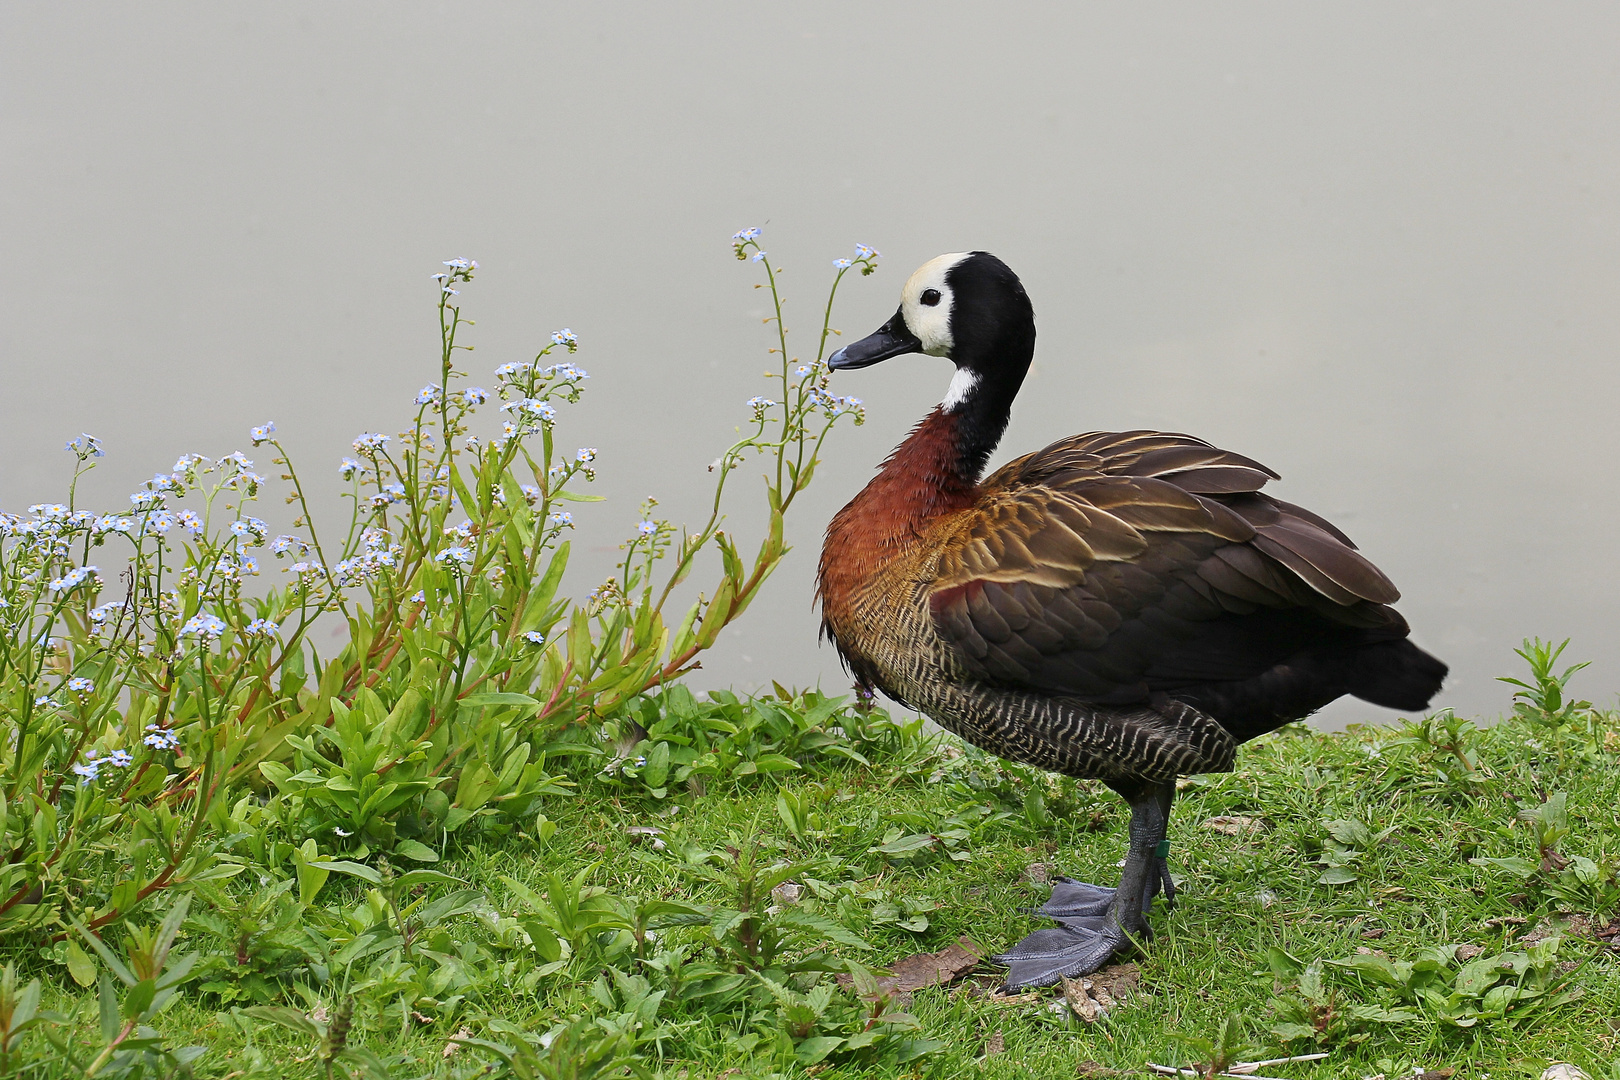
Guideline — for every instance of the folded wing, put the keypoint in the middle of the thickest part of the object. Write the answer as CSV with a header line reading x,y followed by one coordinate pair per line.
x,y
1112,565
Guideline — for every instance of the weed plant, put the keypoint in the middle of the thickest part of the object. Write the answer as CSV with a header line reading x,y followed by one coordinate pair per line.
x,y
140,735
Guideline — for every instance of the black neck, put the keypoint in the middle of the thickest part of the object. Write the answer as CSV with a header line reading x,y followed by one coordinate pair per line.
x,y
981,416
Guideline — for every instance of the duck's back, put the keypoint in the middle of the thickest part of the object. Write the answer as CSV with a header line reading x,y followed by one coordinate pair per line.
x,y
1122,570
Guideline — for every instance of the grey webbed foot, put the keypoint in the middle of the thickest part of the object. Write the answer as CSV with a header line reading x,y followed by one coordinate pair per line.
x,y
1078,947
1070,897
1088,937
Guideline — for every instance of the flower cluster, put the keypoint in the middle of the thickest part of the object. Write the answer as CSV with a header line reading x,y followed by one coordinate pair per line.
x,y
85,447
250,529
833,405
100,615
262,432
377,555
865,257
519,371
161,738
388,495
204,627
460,270
289,545
744,239
75,577
455,556
527,408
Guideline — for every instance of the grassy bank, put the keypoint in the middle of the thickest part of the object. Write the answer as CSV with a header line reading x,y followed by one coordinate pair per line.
x,y
1313,877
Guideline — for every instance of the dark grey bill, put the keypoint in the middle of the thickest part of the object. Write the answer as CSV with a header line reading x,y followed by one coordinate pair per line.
x,y
891,339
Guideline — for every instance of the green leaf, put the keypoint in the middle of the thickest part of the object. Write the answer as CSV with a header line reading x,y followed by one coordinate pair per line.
x,y
1522,868
291,1019
80,966
1376,967
420,852
574,496
656,771
475,787
115,965
816,1047
1337,875
473,701
310,876
904,844
107,997
426,877
1349,832
138,998
826,928
1377,1014
354,869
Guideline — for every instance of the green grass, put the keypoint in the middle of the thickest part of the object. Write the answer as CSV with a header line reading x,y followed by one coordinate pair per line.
x,y
1252,905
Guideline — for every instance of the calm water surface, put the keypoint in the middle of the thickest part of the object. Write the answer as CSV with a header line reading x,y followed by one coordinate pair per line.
x,y
1376,247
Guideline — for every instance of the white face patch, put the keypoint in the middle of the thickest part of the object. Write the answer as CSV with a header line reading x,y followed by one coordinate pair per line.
x,y
963,383
931,322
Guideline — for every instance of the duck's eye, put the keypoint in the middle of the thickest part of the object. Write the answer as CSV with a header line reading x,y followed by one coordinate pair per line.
x,y
930,297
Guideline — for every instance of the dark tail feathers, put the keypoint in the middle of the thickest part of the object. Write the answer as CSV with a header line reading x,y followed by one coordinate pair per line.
x,y
1396,675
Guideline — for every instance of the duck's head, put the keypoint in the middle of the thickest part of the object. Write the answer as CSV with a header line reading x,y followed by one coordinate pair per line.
x,y
967,306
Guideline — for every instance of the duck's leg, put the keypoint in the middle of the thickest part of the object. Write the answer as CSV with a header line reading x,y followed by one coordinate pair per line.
x,y
1071,899
1094,926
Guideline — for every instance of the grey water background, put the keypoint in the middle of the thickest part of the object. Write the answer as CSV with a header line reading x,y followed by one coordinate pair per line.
x,y
1376,246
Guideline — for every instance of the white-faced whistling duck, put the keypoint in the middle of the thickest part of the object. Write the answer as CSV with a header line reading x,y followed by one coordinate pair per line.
x,y
1123,606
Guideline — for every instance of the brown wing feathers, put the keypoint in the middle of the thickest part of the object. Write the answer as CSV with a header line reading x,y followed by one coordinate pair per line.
x,y
1093,567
